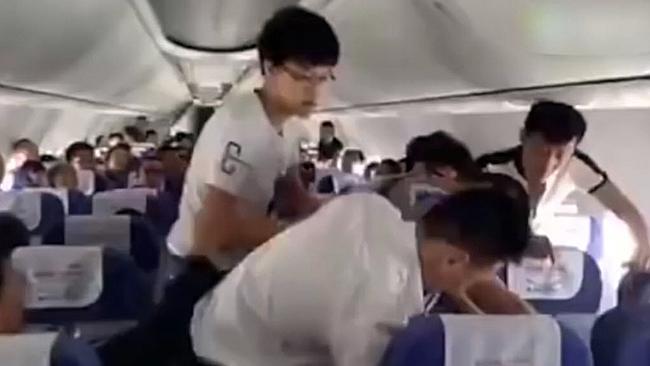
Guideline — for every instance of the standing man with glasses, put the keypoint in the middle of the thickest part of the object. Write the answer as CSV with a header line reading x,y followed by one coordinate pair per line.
x,y
230,182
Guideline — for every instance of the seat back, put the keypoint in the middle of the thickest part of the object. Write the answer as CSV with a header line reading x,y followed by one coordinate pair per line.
x,y
621,336
41,212
45,349
132,235
460,340
125,291
573,285
111,202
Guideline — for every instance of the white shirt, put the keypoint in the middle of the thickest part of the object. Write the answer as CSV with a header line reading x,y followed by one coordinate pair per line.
x,y
240,152
579,174
323,292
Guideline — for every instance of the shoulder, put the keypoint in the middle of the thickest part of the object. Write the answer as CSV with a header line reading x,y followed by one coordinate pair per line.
x,y
585,173
500,157
582,158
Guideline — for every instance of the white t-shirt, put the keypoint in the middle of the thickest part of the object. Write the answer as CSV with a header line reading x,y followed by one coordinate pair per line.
x,y
326,291
240,152
580,174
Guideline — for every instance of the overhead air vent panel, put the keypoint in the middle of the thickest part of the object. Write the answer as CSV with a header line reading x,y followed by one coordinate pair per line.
x,y
215,25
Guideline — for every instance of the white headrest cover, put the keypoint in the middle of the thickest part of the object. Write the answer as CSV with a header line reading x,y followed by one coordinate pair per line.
x,y
86,180
539,280
60,276
110,231
61,194
523,340
109,202
26,349
26,205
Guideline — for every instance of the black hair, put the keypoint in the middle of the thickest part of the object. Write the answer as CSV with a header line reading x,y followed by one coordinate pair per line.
x,y
47,158
510,186
439,150
391,166
295,33
134,133
558,123
119,135
98,139
75,148
13,234
20,142
487,223
360,156
327,124
150,132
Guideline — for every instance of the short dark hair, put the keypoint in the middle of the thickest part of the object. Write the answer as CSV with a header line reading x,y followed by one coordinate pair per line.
x,y
487,223
511,187
295,33
21,142
151,132
75,148
440,149
558,123
391,165
327,124
48,158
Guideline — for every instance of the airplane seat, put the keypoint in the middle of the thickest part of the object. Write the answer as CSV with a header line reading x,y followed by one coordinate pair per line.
x,y
45,349
74,201
447,340
621,336
132,235
41,212
159,207
634,289
71,286
573,286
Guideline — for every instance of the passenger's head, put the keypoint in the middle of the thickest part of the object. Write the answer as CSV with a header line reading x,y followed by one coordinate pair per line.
x,y
81,156
115,138
63,176
298,50
31,174
388,167
151,169
352,161
151,136
308,173
327,131
23,150
13,234
464,237
371,170
173,163
549,138
133,135
118,158
100,141
440,155
184,140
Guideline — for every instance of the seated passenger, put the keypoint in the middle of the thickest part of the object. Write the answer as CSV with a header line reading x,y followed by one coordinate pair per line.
x,y
151,174
388,167
552,167
118,166
309,296
21,151
63,176
151,136
13,234
81,156
371,170
31,174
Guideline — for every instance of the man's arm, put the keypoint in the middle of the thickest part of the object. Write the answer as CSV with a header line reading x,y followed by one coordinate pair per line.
x,y
616,201
221,227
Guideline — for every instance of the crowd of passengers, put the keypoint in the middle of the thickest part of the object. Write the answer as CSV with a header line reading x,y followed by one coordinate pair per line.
x,y
129,159
323,280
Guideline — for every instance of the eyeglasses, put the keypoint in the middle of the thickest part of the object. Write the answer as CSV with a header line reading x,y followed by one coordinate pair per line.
x,y
303,77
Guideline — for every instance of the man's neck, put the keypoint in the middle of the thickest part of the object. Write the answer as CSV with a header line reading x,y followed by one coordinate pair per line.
x,y
276,115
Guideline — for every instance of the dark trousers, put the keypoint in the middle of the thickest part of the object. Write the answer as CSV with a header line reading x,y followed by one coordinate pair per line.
x,y
164,339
